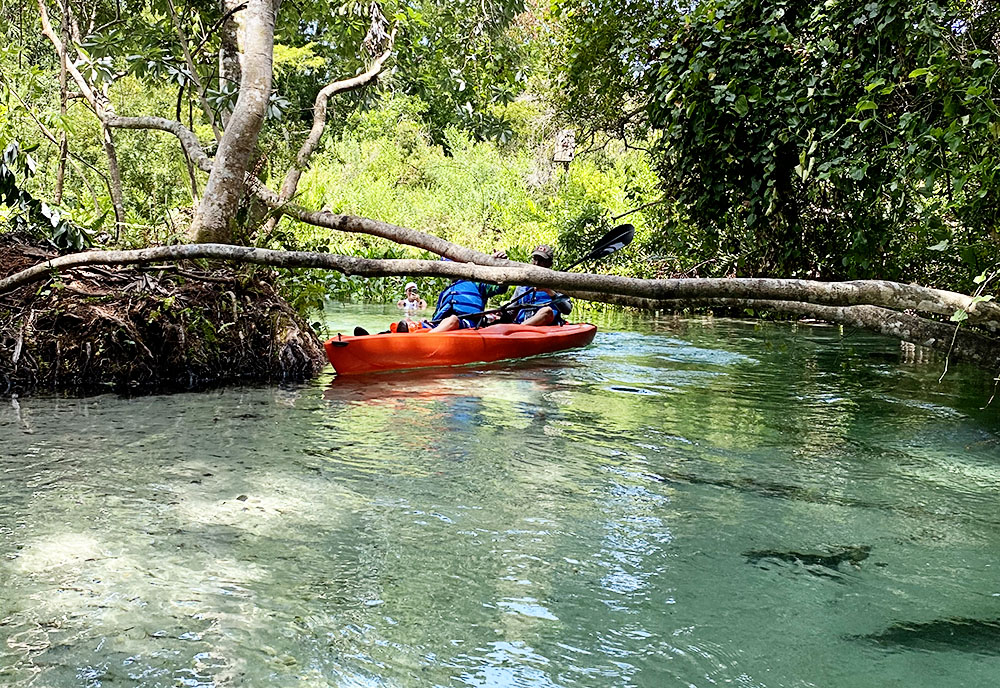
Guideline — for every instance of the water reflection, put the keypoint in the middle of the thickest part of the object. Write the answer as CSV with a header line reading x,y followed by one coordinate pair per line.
x,y
584,519
534,377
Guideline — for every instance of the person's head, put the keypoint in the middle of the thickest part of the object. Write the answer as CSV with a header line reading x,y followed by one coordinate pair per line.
x,y
411,290
542,256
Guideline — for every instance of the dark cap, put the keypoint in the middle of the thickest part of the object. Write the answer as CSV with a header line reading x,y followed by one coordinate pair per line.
x,y
544,252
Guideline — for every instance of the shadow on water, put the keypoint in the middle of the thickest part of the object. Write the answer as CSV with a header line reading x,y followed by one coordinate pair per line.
x,y
825,564
974,636
766,488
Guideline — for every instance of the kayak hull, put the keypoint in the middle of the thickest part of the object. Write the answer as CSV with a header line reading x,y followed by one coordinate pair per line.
x,y
425,349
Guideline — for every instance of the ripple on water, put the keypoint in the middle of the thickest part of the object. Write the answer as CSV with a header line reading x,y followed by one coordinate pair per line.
x,y
576,520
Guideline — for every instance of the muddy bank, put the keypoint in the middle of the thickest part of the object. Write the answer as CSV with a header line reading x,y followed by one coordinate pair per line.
x,y
146,329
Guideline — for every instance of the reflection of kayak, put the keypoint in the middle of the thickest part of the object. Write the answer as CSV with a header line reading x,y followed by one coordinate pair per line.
x,y
424,349
483,380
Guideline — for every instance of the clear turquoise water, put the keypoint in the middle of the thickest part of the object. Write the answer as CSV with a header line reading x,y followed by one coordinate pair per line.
x,y
623,515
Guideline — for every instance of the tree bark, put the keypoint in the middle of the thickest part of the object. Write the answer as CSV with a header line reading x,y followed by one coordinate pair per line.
x,y
225,186
229,48
63,97
844,302
116,179
739,292
101,104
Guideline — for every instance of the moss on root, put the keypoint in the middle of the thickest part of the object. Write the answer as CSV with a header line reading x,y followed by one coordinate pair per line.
x,y
146,328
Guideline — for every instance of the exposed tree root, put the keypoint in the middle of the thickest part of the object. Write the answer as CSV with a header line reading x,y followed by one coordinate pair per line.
x,y
128,329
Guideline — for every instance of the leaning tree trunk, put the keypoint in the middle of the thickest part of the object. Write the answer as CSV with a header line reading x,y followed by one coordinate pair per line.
x,y
213,220
116,179
870,304
63,98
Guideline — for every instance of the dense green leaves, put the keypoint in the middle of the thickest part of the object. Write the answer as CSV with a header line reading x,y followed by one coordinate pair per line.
x,y
833,139
28,214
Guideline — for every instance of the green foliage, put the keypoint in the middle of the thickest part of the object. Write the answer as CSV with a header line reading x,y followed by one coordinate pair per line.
x,y
482,195
835,139
462,57
27,213
602,50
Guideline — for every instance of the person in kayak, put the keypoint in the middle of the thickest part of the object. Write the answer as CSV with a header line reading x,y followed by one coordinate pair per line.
x,y
462,297
459,298
545,314
411,302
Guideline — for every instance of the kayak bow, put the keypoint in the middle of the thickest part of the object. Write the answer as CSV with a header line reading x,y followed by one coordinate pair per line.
x,y
424,349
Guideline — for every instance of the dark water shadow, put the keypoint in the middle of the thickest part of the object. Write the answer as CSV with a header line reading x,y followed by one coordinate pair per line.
x,y
976,636
830,562
809,495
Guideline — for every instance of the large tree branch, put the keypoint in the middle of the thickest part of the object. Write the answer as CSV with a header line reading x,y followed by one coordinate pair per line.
x,y
682,293
186,137
294,174
862,292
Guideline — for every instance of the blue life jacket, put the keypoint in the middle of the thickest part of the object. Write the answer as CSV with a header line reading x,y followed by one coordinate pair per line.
x,y
536,297
463,297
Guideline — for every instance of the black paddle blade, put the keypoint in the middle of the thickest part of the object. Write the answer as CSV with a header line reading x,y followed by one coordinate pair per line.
x,y
615,240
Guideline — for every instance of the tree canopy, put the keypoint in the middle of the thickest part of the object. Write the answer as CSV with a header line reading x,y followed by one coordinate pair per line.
x,y
833,139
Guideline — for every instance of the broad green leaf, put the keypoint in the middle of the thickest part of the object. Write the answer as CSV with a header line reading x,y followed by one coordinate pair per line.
x,y
741,106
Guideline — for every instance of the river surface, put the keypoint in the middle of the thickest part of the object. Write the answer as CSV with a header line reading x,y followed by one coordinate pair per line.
x,y
687,502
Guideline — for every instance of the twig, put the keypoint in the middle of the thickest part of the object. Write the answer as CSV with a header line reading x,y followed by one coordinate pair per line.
x,y
641,207
220,22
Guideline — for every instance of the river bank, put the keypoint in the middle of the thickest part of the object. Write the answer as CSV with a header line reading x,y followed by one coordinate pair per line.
x,y
146,328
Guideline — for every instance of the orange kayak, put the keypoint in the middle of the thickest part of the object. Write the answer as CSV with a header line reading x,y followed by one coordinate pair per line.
x,y
424,349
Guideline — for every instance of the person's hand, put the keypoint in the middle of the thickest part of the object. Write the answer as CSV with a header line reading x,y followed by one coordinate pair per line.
x,y
500,254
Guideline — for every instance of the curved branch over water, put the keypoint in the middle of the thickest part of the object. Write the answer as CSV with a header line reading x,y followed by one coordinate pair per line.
x,y
870,304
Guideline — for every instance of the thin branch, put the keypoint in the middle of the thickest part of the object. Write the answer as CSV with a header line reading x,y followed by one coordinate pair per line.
x,y
294,174
215,26
641,207
47,133
118,18
200,89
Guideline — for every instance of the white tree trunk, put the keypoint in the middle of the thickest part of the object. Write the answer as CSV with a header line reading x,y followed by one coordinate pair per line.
x,y
214,217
